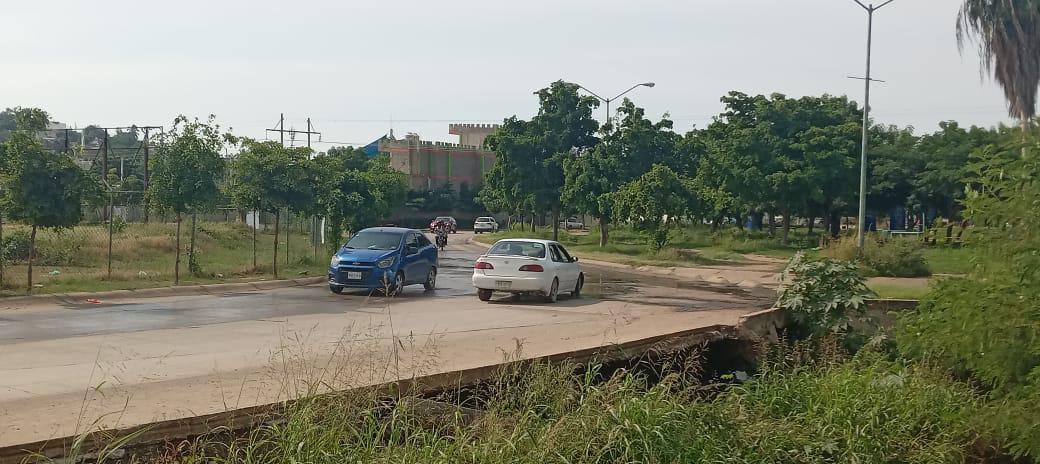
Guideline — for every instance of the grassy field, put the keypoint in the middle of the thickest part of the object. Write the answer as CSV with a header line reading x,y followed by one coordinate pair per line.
x,y
143,256
689,246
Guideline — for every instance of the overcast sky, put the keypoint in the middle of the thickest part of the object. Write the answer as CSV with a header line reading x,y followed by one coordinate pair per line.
x,y
352,66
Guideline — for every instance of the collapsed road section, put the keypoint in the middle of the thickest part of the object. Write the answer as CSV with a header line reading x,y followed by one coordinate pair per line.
x,y
721,348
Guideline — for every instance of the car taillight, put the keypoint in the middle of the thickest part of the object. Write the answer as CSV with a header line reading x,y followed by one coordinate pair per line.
x,y
483,265
532,268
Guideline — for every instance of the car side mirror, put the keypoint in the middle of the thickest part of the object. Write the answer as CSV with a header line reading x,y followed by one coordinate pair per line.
x,y
574,259
411,250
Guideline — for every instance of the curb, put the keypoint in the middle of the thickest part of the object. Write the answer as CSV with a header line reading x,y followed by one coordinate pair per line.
x,y
154,292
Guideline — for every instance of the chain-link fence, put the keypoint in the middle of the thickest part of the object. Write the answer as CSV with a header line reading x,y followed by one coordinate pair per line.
x,y
114,248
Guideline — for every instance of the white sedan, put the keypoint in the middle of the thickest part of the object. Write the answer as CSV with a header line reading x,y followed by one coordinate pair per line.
x,y
485,224
527,266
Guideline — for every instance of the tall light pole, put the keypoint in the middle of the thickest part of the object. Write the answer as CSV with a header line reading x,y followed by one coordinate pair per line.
x,y
861,220
608,100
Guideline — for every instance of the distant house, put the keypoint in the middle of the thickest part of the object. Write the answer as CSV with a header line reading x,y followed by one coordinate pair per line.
x,y
430,165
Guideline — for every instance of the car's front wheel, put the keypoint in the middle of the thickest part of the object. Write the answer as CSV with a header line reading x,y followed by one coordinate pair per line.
x,y
484,294
337,289
397,285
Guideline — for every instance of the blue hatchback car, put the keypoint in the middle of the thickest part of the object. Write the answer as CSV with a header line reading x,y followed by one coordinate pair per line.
x,y
384,258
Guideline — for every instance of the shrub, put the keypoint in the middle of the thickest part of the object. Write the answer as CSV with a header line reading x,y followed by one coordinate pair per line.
x,y
822,295
15,246
886,258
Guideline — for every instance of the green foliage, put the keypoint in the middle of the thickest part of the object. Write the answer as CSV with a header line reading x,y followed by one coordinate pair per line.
x,y
352,195
651,203
897,257
42,188
867,410
824,296
529,169
187,168
986,325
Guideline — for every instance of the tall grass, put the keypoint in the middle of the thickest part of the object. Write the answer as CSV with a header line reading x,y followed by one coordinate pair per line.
x,y
868,409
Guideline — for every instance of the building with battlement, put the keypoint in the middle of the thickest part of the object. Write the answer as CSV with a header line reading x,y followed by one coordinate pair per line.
x,y
430,165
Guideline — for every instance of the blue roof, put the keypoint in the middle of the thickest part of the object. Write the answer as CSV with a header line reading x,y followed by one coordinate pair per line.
x,y
372,149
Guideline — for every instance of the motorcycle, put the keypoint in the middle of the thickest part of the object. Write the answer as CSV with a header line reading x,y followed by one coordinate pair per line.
x,y
442,239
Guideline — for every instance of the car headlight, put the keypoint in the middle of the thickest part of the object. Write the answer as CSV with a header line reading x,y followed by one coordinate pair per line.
x,y
385,262
335,261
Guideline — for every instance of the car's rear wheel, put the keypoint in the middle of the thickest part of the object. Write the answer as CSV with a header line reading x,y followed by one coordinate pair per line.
x,y
484,294
577,287
337,289
431,280
554,291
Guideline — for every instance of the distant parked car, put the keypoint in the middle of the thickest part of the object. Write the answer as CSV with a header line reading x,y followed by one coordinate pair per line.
x,y
485,224
572,223
527,266
453,226
384,258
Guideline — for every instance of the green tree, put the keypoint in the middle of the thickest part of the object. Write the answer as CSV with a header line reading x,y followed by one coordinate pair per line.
x,y
269,177
652,202
41,188
624,154
529,167
186,172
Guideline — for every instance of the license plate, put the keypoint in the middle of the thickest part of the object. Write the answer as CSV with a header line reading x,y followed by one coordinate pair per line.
x,y
503,284
353,275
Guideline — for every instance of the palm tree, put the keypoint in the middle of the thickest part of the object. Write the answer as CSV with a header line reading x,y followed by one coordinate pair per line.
x,y
1007,33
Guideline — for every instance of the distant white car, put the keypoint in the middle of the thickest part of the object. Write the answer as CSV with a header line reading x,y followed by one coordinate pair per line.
x,y
572,223
485,224
527,266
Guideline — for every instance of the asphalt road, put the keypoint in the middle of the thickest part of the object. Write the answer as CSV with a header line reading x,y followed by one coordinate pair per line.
x,y
65,369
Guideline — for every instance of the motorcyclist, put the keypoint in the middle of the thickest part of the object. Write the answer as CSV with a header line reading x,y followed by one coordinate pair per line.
x,y
441,231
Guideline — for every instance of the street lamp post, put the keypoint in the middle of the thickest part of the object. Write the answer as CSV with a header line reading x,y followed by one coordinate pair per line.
x,y
608,100
861,224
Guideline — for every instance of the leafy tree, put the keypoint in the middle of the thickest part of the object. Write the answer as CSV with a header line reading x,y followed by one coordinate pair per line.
x,y
625,154
186,173
269,177
352,196
529,168
652,202
41,188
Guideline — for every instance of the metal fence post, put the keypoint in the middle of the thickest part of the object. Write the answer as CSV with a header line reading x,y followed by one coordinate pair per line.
x,y
111,223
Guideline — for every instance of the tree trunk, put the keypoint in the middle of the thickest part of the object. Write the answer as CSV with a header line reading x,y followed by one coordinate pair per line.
x,y
277,220
787,226
191,243
1,252
523,225
288,226
556,224
835,224
32,256
255,214
772,224
177,259
604,232
812,219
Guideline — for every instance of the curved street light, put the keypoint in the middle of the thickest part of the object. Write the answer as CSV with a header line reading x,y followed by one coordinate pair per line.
x,y
608,100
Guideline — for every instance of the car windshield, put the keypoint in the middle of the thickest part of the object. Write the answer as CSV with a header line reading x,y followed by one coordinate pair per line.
x,y
443,218
483,219
517,248
375,241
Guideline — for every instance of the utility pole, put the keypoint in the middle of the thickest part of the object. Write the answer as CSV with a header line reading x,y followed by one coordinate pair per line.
x,y
862,218
281,130
608,100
